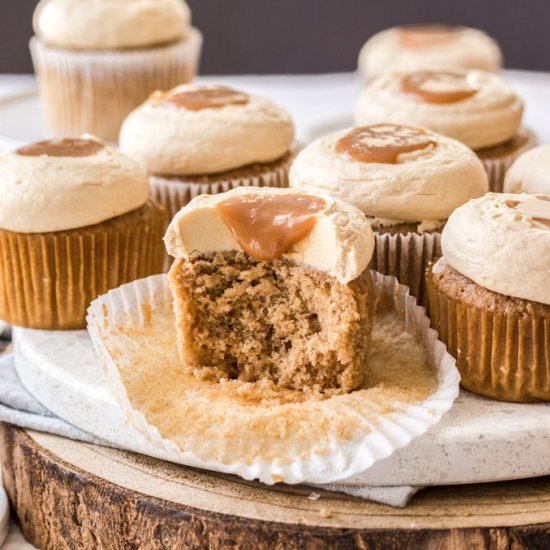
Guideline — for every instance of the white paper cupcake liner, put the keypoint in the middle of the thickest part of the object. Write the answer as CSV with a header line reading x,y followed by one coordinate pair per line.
x,y
84,91
114,321
406,256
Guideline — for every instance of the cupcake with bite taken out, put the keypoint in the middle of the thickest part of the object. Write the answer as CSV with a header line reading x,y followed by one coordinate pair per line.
x,y
75,221
475,107
96,60
273,285
406,180
208,139
414,47
489,295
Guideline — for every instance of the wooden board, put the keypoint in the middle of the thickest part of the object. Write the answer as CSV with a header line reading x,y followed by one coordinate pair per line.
x,y
68,494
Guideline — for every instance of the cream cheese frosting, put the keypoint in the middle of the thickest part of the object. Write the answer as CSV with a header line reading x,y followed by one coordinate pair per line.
x,y
426,184
43,193
341,242
429,46
530,172
172,140
111,24
502,242
489,116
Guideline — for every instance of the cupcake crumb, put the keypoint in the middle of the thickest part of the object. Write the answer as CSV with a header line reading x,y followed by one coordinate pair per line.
x,y
314,496
325,513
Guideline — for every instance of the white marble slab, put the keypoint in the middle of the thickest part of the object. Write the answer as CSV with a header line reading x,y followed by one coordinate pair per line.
x,y
479,440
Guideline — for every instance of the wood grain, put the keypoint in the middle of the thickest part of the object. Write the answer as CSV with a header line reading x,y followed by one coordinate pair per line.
x,y
68,495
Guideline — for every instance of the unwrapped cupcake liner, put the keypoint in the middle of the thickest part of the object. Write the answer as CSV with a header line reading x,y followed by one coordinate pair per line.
x,y
496,167
499,356
406,257
174,194
84,91
47,280
117,323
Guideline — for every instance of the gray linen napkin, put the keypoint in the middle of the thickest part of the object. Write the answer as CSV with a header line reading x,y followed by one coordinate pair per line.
x,y
19,407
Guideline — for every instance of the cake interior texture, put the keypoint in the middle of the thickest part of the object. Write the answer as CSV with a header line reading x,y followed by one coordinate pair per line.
x,y
300,328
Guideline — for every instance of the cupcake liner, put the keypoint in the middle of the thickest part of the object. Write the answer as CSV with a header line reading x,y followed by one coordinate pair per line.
x,y
222,426
174,194
496,167
406,257
499,356
86,91
47,280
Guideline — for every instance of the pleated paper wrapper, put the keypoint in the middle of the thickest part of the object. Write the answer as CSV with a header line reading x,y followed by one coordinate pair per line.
x,y
219,426
505,357
93,92
406,257
47,280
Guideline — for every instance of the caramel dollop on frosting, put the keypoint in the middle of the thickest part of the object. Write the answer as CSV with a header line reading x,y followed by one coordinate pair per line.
x,y
382,143
211,97
268,226
439,86
422,36
62,147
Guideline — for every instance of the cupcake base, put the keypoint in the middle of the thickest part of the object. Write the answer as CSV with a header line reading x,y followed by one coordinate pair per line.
x,y
498,159
85,91
47,280
501,343
403,252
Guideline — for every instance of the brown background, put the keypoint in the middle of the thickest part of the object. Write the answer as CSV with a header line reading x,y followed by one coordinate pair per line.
x,y
293,36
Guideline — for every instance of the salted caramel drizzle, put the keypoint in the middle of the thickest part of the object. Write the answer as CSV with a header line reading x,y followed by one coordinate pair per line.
x,y
62,147
438,86
267,226
213,97
423,36
382,143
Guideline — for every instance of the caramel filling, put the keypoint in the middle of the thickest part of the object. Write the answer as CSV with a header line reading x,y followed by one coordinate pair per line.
x,y
537,207
63,147
424,36
438,86
382,143
213,97
268,226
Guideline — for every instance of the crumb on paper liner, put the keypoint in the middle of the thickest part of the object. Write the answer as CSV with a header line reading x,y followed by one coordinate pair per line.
x,y
254,430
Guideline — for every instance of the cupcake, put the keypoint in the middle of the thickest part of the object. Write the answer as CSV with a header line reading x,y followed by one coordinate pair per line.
x,y
417,47
208,139
530,172
96,60
75,221
489,295
272,285
475,107
406,180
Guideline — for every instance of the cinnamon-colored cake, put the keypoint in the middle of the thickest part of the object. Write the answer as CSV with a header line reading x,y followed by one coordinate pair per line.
x,y
273,285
